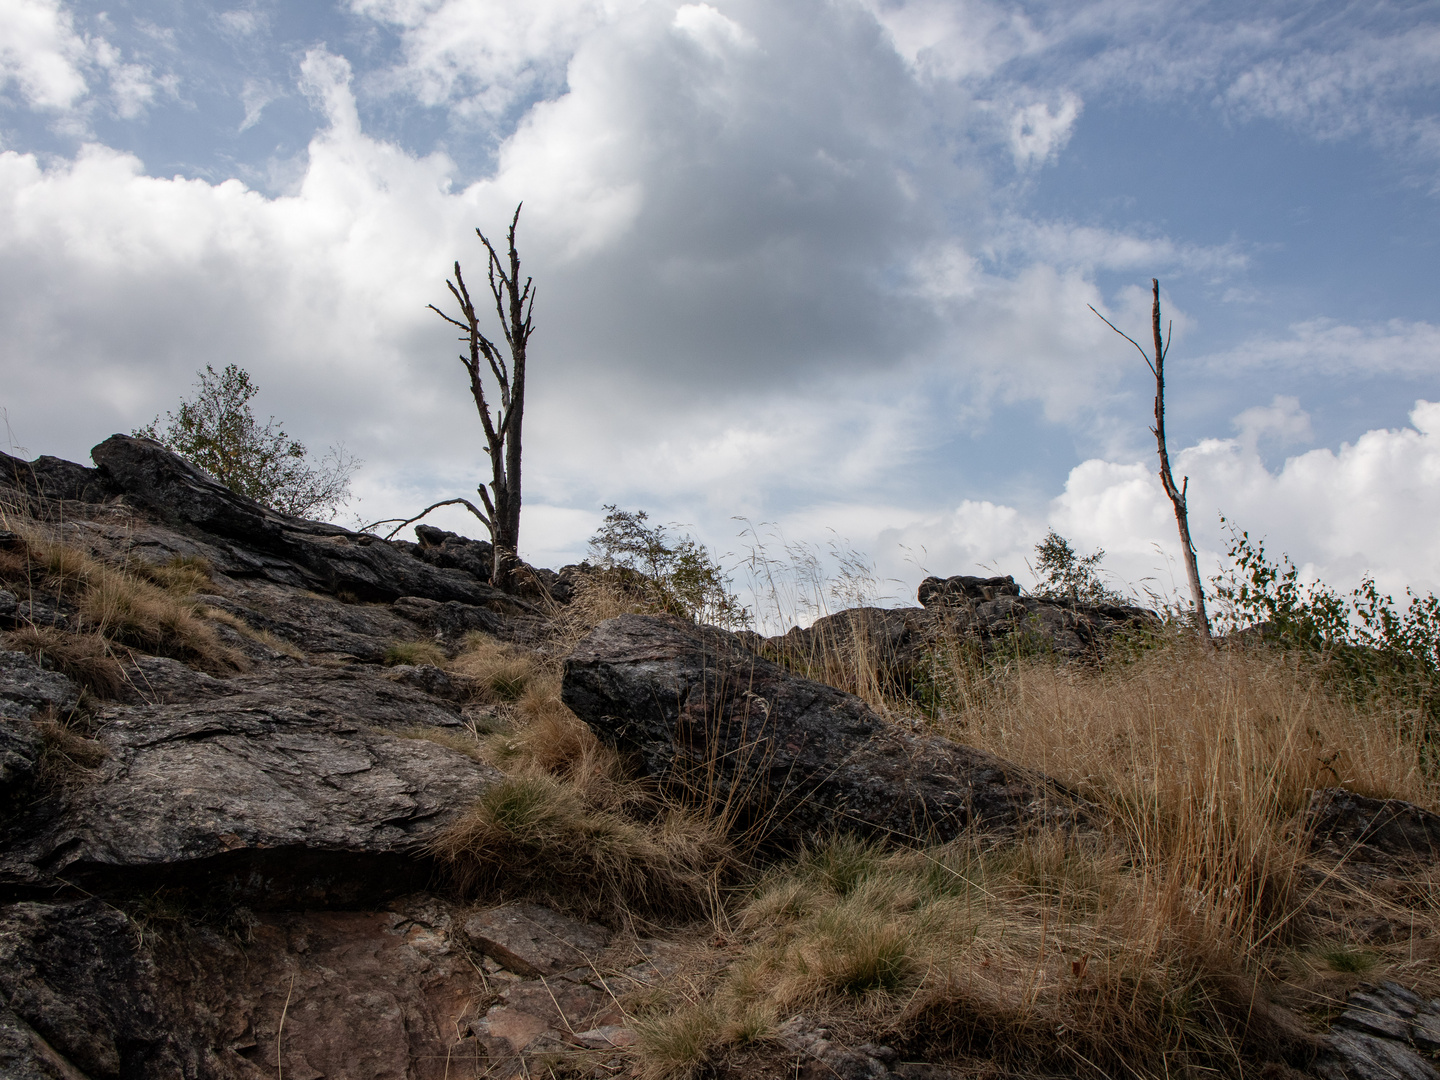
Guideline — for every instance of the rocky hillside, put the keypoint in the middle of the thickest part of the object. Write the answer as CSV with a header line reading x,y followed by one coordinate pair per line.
x,y
281,799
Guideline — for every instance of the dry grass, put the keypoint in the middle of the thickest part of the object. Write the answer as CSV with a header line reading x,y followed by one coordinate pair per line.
x,y
66,755
183,575
1169,944
534,835
88,659
415,652
500,671
270,640
115,603
597,597
566,825
462,742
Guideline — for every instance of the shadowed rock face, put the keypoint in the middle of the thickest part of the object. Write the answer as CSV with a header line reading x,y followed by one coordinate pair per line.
x,y
267,805
315,555
709,717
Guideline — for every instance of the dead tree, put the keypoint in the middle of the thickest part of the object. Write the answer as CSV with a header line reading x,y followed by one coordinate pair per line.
x,y
1167,478
483,359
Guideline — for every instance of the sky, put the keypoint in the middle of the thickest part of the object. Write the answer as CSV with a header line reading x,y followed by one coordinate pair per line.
x,y
807,271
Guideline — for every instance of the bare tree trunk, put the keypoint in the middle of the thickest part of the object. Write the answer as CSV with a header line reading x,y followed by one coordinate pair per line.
x,y
1167,478
514,306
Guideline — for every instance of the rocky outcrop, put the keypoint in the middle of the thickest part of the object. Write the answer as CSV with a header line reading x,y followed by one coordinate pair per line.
x,y
307,554
260,799
902,648
794,758
1385,1033
1357,828
221,871
407,990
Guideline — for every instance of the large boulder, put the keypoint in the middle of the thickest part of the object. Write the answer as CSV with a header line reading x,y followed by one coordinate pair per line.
x,y
900,647
312,554
254,801
789,757
49,480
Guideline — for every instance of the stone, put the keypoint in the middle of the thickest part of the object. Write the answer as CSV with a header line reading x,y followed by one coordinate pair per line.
x,y
945,592
1385,1033
26,688
264,807
450,621
453,551
1355,1056
324,557
534,941
52,479
160,680
864,1062
794,758
433,681
1352,825
71,974
20,750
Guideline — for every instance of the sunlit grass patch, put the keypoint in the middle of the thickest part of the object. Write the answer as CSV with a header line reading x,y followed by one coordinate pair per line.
x,y
415,652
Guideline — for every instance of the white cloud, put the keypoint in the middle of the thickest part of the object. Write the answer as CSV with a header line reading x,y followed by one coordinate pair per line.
x,y
1370,507
715,33
1325,346
49,60
255,95
957,39
483,56
1038,132
242,22
1337,74
1282,421
41,53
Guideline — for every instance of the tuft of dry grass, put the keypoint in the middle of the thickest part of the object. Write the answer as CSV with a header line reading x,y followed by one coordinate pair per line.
x,y
1163,945
87,658
65,755
534,835
112,602
500,671
415,652
463,742
264,637
567,825
597,597
1203,758
183,575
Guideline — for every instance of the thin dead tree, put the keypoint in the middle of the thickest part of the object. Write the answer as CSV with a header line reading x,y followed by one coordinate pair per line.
x,y
1167,478
514,306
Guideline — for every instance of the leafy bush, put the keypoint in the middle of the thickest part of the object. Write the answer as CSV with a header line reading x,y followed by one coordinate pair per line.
x,y
1065,574
218,432
681,574
1364,639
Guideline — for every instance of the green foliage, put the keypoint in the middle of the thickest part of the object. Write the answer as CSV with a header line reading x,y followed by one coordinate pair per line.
x,y
681,574
1065,574
218,431
1364,638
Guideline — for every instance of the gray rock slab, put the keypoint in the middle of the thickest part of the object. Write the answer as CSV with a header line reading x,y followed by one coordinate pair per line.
x,y
20,748
269,806
532,940
316,623
1355,825
85,996
1385,1033
27,688
160,680
709,718
320,556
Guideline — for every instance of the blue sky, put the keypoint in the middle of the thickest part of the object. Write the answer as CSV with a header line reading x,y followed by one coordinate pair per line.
x,y
820,263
